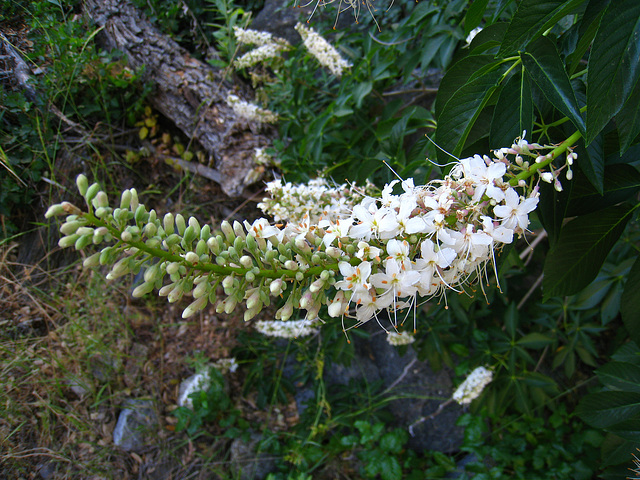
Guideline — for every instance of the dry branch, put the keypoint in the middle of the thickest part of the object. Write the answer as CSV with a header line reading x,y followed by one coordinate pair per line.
x,y
189,92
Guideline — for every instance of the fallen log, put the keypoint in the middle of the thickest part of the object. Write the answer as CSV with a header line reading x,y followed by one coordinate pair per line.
x,y
188,92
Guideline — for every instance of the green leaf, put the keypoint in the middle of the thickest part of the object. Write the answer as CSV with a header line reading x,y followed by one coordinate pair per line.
x,y
629,352
390,468
620,376
588,27
513,113
457,75
630,304
532,19
628,119
620,182
535,340
546,68
591,161
584,243
613,64
604,409
552,208
393,441
462,110
629,429
360,91
474,15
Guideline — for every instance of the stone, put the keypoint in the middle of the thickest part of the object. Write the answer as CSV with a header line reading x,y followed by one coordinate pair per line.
x,y
137,420
247,463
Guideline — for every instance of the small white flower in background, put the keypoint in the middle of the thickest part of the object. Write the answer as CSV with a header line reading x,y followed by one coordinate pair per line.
x,y
324,52
226,365
257,55
288,329
398,339
246,36
472,387
251,112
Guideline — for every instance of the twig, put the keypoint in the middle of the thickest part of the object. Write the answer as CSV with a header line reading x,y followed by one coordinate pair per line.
x,y
434,414
402,375
530,292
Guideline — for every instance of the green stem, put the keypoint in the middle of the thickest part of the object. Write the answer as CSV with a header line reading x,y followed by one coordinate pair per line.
x,y
555,153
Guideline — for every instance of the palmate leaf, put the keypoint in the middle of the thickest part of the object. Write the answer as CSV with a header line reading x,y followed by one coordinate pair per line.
x,y
620,376
513,113
462,110
532,19
628,119
457,75
613,64
605,409
544,65
630,303
584,243
620,182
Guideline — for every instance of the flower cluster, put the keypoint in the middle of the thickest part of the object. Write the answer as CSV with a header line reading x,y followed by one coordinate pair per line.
x,y
398,339
473,385
314,201
251,112
322,50
246,36
340,247
267,47
288,329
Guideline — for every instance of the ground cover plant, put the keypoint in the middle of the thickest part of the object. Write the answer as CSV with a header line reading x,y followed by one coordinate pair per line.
x,y
484,221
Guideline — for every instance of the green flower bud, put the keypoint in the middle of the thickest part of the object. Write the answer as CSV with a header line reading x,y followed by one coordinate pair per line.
x,y
251,243
239,230
134,200
201,248
168,223
212,244
142,290
230,305
227,230
54,210
299,276
172,240
221,261
125,199
83,184
325,275
291,265
196,306
188,237
150,230
250,277
152,273
153,216
175,294
83,241
205,233
164,291
66,242
351,249
239,245
316,259
195,225
85,231
276,287
201,289
173,268
270,256
232,253
141,215
246,261
102,212
249,314
285,312
70,228
191,257
92,261
100,200
107,255
92,191
126,236
180,224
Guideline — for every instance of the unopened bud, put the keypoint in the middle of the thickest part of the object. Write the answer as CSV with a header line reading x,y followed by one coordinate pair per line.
x,y
92,261
142,290
202,289
246,261
125,199
54,211
168,223
192,257
100,200
83,241
92,191
69,228
66,242
227,230
193,223
291,265
82,183
180,224
196,306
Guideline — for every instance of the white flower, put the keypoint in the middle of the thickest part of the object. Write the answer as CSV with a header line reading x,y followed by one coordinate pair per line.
x,y
251,112
252,37
257,55
472,387
355,278
515,214
322,50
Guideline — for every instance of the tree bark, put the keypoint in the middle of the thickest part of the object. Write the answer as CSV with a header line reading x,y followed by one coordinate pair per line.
x,y
189,92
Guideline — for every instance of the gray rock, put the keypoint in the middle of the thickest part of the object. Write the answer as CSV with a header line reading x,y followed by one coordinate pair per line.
x,y
137,420
247,463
